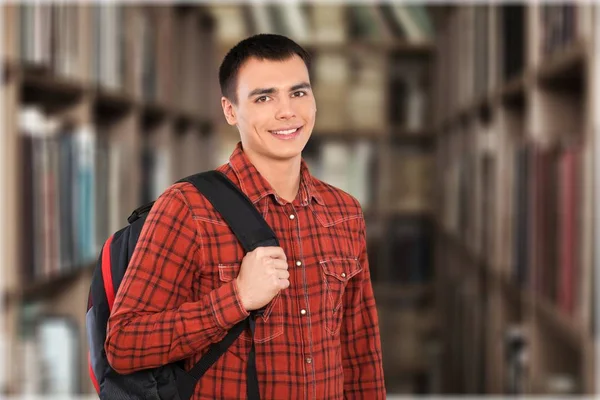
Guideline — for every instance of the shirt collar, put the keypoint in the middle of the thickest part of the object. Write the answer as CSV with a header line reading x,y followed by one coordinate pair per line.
x,y
256,187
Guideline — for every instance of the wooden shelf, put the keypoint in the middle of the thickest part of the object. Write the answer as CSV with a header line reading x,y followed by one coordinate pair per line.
x,y
112,103
542,105
516,294
48,287
349,134
398,131
514,91
390,212
116,98
396,135
569,329
416,368
476,264
389,290
40,86
9,70
153,113
185,118
565,66
397,47
421,137
464,251
474,108
352,46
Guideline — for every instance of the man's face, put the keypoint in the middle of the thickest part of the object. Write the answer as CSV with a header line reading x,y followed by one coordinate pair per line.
x,y
275,110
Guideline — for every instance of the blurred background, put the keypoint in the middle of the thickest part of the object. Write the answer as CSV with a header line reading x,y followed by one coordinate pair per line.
x,y
467,132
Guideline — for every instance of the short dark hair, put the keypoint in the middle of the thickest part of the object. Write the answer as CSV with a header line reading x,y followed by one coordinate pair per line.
x,y
263,46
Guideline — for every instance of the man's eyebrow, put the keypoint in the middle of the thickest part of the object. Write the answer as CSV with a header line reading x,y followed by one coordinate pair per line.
x,y
303,85
262,91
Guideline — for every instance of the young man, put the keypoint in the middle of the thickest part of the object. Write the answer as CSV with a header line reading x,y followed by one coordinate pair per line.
x,y
189,282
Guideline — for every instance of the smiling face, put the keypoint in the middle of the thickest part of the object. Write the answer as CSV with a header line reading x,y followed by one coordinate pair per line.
x,y
275,108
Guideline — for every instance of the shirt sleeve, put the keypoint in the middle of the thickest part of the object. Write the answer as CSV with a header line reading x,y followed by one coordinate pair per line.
x,y
153,321
361,346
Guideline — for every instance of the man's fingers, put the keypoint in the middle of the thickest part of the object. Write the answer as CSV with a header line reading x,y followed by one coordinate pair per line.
x,y
283,274
280,264
284,283
272,252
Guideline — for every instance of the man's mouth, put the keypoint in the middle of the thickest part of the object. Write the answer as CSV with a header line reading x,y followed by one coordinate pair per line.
x,y
290,131
287,134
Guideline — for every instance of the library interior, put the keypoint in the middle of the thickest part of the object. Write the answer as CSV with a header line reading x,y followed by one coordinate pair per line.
x,y
466,131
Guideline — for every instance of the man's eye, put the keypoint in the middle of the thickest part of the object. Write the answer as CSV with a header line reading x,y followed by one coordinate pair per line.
x,y
262,99
299,93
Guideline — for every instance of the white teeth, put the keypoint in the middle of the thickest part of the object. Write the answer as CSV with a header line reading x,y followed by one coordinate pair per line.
x,y
289,131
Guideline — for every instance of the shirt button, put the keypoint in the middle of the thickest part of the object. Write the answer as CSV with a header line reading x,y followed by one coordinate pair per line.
x,y
292,216
343,274
303,312
308,360
298,263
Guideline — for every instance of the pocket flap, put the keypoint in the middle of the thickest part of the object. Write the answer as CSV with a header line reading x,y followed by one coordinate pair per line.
x,y
341,268
229,272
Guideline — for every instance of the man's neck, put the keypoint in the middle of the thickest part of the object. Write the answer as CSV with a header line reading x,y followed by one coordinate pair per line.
x,y
283,176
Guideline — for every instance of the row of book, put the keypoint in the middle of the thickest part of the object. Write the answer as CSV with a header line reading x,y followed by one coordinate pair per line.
x,y
156,170
412,353
482,28
559,27
353,166
51,353
548,229
49,35
159,54
401,249
325,23
65,178
513,28
472,335
347,165
411,185
370,92
74,186
410,245
58,196
110,45
486,46
462,312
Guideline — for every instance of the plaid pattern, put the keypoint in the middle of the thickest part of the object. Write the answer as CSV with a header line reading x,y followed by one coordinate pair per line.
x,y
318,339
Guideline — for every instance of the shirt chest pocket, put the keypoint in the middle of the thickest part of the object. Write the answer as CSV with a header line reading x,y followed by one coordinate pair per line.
x,y
336,275
270,324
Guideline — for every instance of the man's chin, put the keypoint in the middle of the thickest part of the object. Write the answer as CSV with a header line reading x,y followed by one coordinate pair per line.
x,y
285,154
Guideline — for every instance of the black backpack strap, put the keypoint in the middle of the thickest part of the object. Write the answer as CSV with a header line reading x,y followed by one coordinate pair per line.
x,y
252,231
235,207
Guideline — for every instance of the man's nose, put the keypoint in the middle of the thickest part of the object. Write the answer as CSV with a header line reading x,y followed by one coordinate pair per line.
x,y
285,110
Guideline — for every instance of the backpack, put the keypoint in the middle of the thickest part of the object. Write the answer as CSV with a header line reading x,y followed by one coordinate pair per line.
x,y
171,381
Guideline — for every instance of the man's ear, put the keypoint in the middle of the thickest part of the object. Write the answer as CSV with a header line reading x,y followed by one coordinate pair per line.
x,y
228,111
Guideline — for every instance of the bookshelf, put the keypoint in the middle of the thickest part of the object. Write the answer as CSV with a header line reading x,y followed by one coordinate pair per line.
x,y
88,112
514,211
142,99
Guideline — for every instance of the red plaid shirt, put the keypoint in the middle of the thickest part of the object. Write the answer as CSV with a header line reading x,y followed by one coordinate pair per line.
x,y
318,339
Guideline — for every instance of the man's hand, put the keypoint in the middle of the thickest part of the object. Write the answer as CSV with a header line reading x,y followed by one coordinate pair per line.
x,y
264,272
